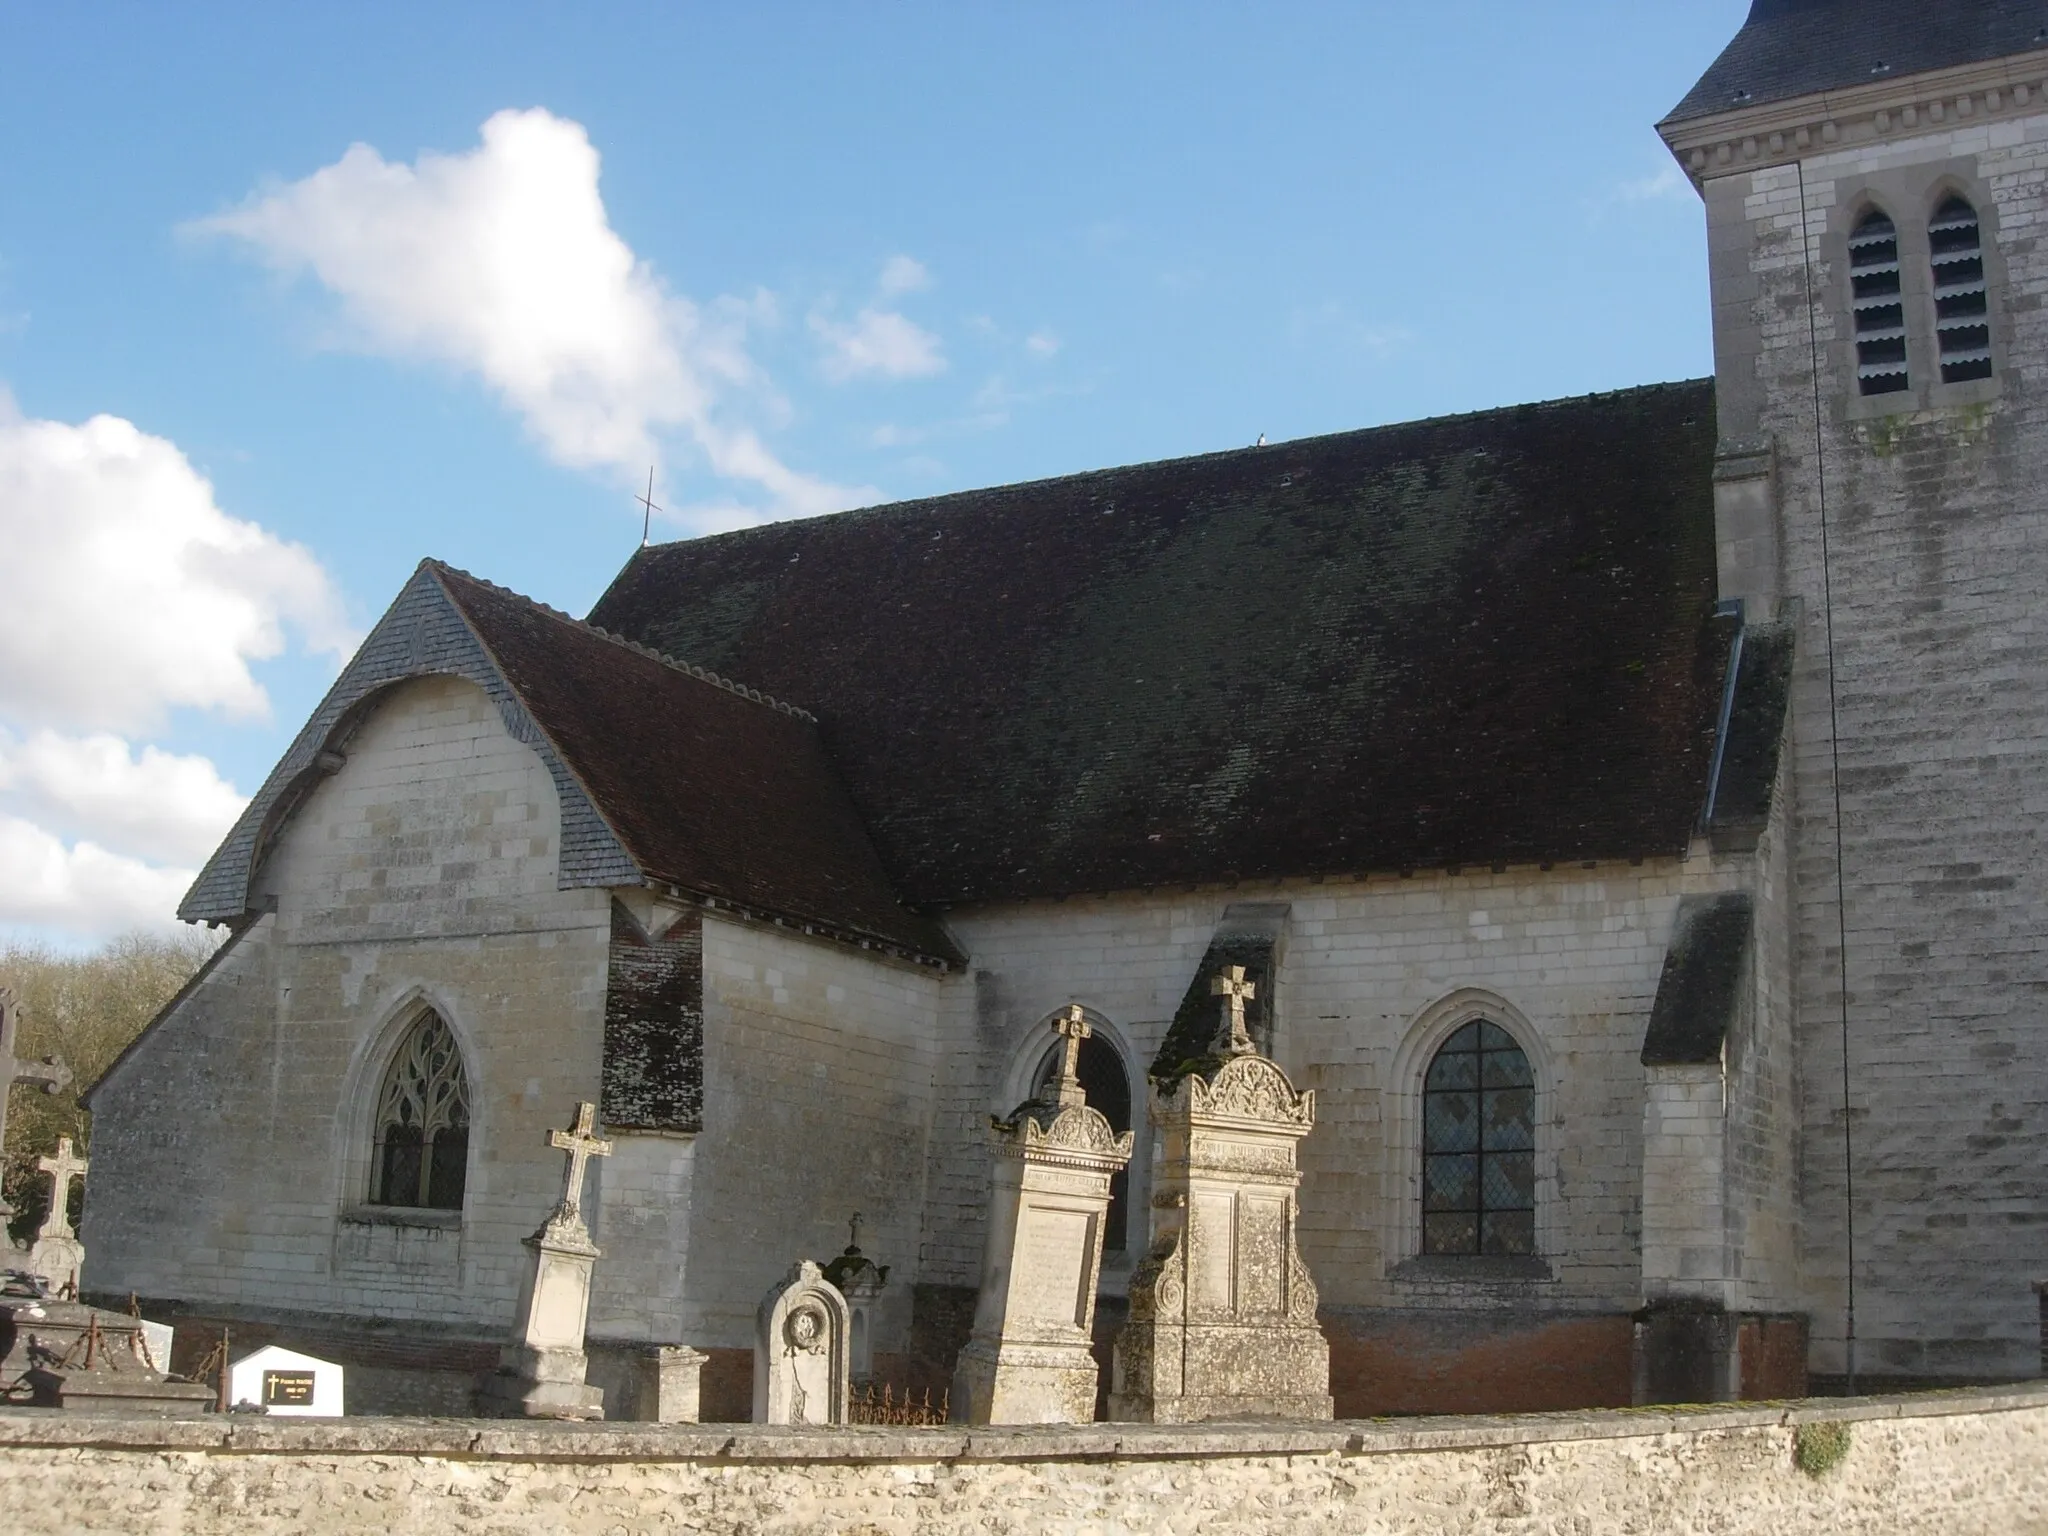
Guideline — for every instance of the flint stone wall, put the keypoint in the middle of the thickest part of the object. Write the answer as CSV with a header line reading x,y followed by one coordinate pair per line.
x,y
1955,1464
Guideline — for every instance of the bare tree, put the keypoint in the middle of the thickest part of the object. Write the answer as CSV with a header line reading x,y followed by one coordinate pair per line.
x,y
86,1008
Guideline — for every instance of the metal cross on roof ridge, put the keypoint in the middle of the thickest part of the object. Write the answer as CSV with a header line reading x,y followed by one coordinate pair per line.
x,y
1230,985
648,509
62,1166
581,1145
50,1072
1071,1025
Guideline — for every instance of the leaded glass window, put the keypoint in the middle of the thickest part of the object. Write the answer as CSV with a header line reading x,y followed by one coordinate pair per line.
x,y
1879,306
422,1153
1479,1146
1962,308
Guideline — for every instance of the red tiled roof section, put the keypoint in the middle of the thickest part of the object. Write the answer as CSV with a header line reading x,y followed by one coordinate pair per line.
x,y
1480,639
709,790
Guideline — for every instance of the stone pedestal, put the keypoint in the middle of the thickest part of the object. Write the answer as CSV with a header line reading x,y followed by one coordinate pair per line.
x,y
1028,1359
671,1380
1223,1312
87,1360
58,1260
542,1373
801,1336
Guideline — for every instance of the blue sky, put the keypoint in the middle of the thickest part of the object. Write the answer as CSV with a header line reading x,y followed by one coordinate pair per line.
x,y
293,296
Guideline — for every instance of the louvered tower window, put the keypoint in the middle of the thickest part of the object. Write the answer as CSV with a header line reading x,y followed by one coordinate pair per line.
x,y
1879,306
422,1154
1962,310
1479,1146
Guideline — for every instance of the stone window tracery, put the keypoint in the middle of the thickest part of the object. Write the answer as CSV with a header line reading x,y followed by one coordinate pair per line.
x,y
422,1151
1962,310
1479,1146
1878,302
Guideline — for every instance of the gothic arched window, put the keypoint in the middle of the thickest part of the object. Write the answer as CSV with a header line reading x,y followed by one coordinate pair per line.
x,y
422,1153
1962,308
1479,1146
1108,1087
1879,306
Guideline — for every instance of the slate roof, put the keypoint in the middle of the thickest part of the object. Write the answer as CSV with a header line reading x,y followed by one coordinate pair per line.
x,y
665,773
708,789
1477,639
1698,991
1791,48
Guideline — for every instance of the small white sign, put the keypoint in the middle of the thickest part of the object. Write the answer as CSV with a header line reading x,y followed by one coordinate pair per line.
x,y
286,1383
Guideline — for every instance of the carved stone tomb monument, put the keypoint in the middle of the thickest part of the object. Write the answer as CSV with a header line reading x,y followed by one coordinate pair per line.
x,y
541,1372
1223,1312
860,1280
1028,1360
57,1254
801,1365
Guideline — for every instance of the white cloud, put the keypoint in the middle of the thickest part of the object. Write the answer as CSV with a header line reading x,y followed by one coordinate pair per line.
x,y
502,262
82,889
129,592
903,274
1666,182
880,343
152,803
1041,343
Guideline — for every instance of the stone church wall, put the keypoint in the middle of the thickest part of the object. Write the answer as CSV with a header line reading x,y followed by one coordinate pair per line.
x,y
818,1085
232,1146
1374,974
1937,556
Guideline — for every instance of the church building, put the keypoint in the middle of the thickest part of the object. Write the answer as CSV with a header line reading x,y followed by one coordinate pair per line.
x,y
1627,808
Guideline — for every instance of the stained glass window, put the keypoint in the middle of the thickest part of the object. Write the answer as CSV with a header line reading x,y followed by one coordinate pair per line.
x,y
1479,1146
422,1154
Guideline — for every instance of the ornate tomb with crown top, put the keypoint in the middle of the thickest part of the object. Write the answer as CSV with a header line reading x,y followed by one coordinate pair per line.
x,y
860,1280
541,1373
1223,1312
1028,1359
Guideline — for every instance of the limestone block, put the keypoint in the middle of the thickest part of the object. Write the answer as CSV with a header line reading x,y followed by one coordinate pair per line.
x,y
802,1335
1223,1311
671,1378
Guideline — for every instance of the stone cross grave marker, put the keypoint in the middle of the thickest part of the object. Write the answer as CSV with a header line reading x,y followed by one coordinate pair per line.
x,y
62,1167
541,1372
57,1254
1230,985
581,1145
860,1280
50,1072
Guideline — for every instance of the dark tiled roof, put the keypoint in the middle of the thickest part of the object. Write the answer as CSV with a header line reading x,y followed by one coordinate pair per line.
x,y
707,788
1698,992
1793,48
1477,639
1741,801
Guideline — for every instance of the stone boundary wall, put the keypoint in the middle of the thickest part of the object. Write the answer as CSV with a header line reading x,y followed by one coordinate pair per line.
x,y
1955,1464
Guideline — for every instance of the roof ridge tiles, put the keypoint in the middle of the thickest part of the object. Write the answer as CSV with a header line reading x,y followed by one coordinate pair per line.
x,y
687,668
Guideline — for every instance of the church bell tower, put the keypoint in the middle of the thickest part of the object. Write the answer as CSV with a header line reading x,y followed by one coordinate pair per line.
x,y
1874,175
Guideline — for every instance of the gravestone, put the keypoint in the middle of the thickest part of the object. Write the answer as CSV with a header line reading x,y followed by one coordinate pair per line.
x,y
801,1337
57,1254
50,1073
860,1280
59,1354
286,1384
1223,1313
541,1373
1028,1359
670,1385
